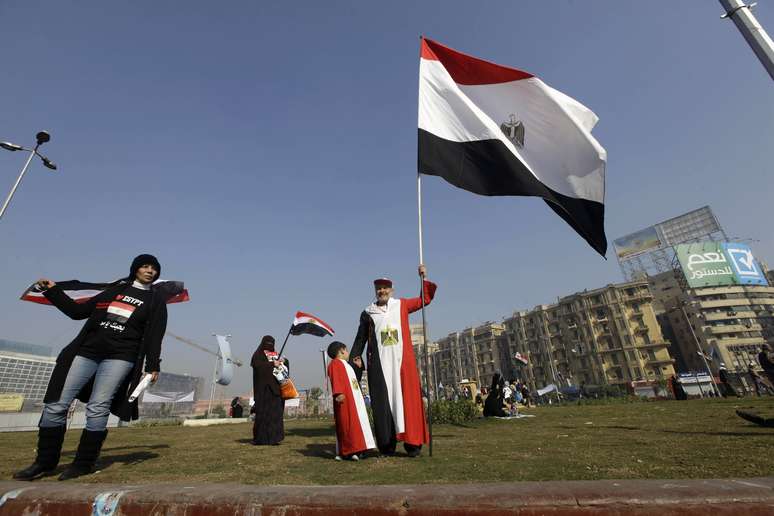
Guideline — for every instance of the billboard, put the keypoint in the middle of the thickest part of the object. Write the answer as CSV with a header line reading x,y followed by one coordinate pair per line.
x,y
711,264
746,270
693,226
635,243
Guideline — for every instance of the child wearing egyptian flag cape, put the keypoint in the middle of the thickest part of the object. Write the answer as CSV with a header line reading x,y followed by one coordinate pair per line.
x,y
353,431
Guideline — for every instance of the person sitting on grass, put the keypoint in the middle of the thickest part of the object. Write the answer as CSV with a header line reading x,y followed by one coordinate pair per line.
x,y
353,430
493,406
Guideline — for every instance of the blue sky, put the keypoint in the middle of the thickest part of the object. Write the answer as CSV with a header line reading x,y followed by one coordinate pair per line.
x,y
266,153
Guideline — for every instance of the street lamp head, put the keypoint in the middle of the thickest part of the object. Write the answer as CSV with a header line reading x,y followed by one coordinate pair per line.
x,y
48,163
42,137
11,146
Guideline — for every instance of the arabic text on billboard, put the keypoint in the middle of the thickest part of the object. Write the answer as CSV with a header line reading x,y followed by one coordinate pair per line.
x,y
638,242
708,264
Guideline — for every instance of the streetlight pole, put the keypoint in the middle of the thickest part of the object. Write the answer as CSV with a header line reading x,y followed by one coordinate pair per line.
x,y
752,31
42,137
701,353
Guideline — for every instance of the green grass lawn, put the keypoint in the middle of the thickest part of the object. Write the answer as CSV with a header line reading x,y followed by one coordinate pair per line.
x,y
670,439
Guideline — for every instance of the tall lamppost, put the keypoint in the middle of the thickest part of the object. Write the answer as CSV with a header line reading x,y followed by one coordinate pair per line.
x,y
42,137
700,351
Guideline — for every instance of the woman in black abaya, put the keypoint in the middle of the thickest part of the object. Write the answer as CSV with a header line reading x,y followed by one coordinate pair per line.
x,y
268,427
493,406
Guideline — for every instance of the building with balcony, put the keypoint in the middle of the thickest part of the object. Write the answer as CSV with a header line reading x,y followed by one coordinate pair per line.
x,y
418,341
728,324
607,336
475,353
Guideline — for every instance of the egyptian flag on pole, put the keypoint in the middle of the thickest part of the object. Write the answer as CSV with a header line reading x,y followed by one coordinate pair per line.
x,y
81,291
307,323
495,130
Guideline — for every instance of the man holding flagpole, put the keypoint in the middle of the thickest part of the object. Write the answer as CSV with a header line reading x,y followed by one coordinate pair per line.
x,y
393,378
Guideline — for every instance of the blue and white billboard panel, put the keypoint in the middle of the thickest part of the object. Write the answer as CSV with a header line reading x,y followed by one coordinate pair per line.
x,y
746,270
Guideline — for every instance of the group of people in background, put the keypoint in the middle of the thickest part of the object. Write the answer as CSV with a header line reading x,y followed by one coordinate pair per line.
x,y
503,397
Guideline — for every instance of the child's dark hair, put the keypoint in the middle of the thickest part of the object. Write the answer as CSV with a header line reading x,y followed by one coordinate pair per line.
x,y
334,348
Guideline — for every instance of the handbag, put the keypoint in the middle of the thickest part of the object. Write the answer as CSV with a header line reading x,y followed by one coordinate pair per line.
x,y
288,390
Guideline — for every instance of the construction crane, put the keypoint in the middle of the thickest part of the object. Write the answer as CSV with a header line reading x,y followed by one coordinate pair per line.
x,y
193,344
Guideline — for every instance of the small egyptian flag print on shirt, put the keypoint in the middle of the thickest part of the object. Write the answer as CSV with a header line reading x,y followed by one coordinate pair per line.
x,y
122,308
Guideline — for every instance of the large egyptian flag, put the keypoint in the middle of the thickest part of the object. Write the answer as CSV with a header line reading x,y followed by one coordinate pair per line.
x,y
82,291
495,130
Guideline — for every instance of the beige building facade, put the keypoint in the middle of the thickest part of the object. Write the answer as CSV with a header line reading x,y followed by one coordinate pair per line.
x,y
607,336
728,324
473,354
418,341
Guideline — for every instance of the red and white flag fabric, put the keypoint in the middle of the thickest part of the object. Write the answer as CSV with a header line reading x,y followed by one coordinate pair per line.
x,y
353,430
521,358
495,130
81,291
309,324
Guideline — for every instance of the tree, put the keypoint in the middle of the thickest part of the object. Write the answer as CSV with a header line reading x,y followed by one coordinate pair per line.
x,y
315,393
314,397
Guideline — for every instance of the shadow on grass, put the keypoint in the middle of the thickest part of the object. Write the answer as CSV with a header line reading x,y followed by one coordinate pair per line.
x,y
311,432
127,459
320,451
619,427
71,453
245,440
459,425
724,434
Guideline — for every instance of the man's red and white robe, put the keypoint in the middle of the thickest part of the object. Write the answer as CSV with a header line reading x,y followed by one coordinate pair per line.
x,y
393,378
353,431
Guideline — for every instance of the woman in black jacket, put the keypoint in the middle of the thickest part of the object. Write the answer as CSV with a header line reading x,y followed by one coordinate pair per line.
x,y
268,427
102,366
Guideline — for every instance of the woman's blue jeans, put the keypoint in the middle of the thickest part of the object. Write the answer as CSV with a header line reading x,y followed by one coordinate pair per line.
x,y
108,376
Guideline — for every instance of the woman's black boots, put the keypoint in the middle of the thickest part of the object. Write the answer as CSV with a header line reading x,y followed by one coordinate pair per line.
x,y
86,456
49,449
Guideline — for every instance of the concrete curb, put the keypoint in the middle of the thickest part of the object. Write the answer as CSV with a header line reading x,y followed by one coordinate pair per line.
x,y
749,497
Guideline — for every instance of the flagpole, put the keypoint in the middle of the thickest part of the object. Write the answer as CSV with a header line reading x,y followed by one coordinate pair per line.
x,y
424,319
286,341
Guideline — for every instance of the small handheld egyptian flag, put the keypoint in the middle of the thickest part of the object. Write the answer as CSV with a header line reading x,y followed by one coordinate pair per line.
x,y
521,358
309,324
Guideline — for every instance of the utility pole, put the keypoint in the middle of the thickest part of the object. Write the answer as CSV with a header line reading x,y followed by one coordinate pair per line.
x,y
701,353
752,31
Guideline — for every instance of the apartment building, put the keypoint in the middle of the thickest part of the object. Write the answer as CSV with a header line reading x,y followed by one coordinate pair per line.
x,y
475,353
606,336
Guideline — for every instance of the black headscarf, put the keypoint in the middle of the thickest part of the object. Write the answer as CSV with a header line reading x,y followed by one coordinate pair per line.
x,y
263,370
267,344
